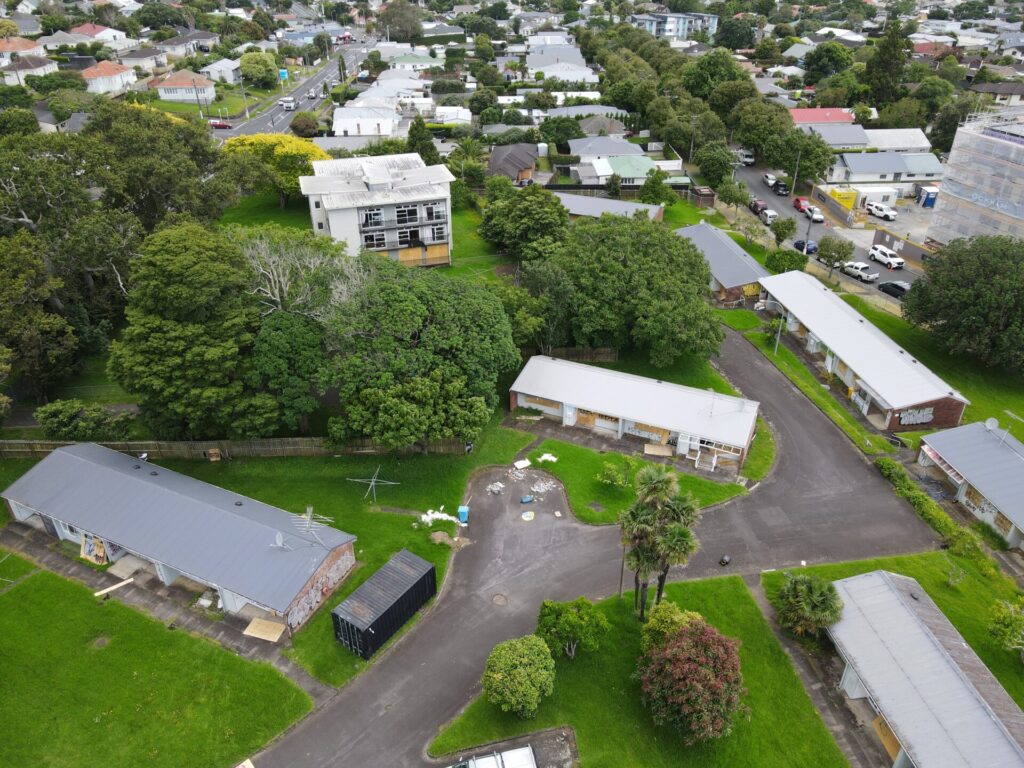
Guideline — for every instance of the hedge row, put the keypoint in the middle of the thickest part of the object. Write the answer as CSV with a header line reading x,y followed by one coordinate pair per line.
x,y
961,541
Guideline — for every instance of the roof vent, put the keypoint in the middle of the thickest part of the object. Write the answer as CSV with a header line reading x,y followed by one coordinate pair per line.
x,y
238,503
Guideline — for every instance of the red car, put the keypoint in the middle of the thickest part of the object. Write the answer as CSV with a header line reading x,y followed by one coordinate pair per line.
x,y
801,203
219,124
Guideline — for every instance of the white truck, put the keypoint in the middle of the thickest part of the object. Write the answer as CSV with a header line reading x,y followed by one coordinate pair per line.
x,y
860,270
510,758
882,211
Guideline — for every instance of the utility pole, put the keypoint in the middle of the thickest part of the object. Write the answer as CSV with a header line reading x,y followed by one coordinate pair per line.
x,y
778,334
796,171
693,134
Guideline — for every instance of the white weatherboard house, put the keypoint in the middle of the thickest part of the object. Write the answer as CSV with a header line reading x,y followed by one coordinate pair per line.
x,y
894,390
392,203
985,464
706,427
249,552
937,704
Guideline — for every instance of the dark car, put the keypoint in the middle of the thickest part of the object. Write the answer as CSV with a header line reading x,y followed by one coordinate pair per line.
x,y
812,247
780,188
756,206
897,289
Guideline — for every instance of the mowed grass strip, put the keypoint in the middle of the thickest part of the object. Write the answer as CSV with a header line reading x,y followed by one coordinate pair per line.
x,y
966,604
85,680
597,695
598,503
265,208
992,391
473,258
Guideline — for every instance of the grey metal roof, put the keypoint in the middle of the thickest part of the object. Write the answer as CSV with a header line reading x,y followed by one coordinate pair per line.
x,y
587,205
603,145
585,110
379,592
874,162
921,162
942,703
510,159
991,461
837,135
730,265
595,125
211,534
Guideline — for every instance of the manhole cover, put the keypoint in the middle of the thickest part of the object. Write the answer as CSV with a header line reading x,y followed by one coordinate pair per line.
x,y
500,599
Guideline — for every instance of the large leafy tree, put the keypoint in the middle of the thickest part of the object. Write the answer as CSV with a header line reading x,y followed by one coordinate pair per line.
x,y
1006,625
711,70
286,357
514,222
401,19
826,60
735,34
417,357
730,93
884,73
715,161
694,683
633,282
568,627
808,604
421,140
259,68
40,342
560,129
757,123
18,122
971,300
274,161
519,674
796,152
190,329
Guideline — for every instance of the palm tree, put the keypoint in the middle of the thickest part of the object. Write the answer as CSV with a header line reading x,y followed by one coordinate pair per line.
x,y
656,484
468,150
643,561
675,545
808,604
638,524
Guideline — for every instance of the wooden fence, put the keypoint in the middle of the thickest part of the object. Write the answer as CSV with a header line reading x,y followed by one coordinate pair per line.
x,y
229,449
578,354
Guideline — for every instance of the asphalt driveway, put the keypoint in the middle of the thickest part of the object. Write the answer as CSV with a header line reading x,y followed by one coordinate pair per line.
x,y
823,502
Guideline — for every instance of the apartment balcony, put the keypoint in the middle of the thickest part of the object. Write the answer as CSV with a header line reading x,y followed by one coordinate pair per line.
x,y
390,222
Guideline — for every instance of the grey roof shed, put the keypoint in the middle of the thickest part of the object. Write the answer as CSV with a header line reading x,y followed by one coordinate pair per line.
x,y
207,533
730,265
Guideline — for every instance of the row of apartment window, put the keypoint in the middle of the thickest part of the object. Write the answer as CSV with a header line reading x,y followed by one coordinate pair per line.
x,y
404,214
406,237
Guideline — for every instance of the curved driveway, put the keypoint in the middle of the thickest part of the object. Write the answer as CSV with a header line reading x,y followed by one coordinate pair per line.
x,y
823,502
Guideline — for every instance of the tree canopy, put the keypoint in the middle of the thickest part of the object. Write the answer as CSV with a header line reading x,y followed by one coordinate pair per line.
x,y
401,20
519,674
515,222
277,160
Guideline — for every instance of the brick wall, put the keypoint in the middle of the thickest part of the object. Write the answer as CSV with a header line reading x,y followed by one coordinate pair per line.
x,y
331,572
947,412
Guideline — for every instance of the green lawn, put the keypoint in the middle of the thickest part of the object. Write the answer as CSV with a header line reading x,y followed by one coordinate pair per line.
x,y
687,370
756,250
992,391
472,256
264,208
425,482
232,105
93,385
683,213
808,383
597,695
577,467
761,457
738,319
966,605
12,567
86,680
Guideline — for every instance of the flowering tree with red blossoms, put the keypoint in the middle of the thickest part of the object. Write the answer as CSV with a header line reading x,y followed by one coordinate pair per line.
x,y
693,682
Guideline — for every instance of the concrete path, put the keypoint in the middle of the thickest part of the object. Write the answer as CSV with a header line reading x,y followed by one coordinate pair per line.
x,y
823,502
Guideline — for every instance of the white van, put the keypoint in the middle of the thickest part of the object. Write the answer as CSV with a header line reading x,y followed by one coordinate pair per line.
x,y
768,216
288,102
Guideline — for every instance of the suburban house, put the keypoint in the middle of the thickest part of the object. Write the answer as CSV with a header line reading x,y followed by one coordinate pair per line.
x,y
412,62
557,53
898,140
252,554
61,38
702,426
366,121
586,110
11,47
146,59
395,204
185,86
24,66
936,703
187,44
840,135
798,51
108,77
566,72
734,274
900,170
223,71
632,170
600,125
985,464
596,207
99,32
28,25
675,26
820,116
514,161
1004,94
602,147
891,388
453,116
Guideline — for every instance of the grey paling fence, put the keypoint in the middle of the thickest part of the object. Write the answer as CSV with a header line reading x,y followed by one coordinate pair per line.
x,y
229,449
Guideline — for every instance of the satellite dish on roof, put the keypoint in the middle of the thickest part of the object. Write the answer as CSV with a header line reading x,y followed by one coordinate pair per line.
x,y
991,423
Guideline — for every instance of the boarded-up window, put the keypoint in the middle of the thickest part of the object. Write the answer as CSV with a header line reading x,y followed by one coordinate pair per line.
x,y
1003,524
543,402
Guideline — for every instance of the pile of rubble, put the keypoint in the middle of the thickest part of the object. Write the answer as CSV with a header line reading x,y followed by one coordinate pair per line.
x,y
495,488
544,486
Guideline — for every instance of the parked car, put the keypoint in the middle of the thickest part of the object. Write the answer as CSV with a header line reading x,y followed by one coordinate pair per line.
x,y
882,211
220,124
768,216
745,156
814,214
511,758
885,256
860,270
780,188
801,204
769,179
895,288
757,205
812,247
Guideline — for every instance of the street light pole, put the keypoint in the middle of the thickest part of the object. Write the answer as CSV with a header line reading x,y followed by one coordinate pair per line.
x,y
796,171
778,334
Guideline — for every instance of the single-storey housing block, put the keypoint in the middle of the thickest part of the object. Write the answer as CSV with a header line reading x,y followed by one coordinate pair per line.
x,y
185,86
985,464
108,77
147,59
453,115
602,125
595,207
223,71
365,121
706,427
514,161
593,148
898,140
902,170
734,274
99,32
820,116
894,390
937,704
249,552
25,66
840,135
15,47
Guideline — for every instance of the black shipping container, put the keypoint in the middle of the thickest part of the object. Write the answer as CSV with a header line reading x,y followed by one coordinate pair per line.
x,y
382,604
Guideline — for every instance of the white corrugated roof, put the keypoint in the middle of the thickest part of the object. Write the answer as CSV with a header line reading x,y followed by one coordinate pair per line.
x,y
344,183
892,373
945,707
710,415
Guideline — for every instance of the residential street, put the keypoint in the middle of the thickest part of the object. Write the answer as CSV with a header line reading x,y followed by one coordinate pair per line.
x,y
824,502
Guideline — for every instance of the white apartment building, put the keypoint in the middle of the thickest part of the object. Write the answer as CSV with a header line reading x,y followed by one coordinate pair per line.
x,y
675,26
395,204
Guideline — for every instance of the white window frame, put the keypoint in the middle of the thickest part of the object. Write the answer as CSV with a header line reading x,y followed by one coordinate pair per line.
x,y
373,217
405,236
374,240
407,214
439,232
